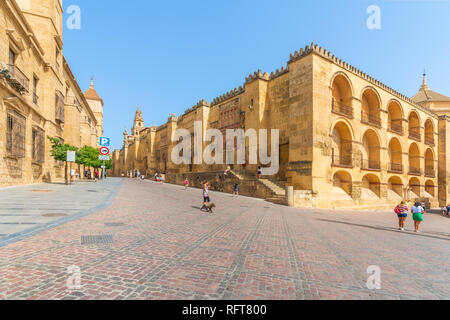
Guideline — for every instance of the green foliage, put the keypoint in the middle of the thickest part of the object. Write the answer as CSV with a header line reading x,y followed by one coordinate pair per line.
x,y
87,156
59,150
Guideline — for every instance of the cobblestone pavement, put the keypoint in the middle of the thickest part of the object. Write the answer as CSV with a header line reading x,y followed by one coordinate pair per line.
x,y
27,210
163,247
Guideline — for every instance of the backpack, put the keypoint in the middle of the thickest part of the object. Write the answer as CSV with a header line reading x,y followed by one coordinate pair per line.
x,y
397,210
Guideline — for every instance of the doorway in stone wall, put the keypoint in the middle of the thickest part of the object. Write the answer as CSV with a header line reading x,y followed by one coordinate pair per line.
x,y
284,161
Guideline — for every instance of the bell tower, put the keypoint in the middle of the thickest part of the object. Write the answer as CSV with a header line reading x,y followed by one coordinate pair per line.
x,y
138,124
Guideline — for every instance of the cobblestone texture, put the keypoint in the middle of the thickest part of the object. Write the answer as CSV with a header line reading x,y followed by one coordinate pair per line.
x,y
165,248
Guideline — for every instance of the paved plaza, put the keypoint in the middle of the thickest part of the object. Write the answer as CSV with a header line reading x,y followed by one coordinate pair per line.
x,y
142,240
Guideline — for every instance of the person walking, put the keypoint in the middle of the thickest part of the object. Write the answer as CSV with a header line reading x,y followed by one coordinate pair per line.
x,y
96,175
186,184
259,172
206,199
236,190
417,212
402,213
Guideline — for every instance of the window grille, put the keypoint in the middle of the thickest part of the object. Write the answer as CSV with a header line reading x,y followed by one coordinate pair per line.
x,y
15,134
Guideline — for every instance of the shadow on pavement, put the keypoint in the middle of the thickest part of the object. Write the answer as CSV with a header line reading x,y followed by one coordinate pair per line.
x,y
447,236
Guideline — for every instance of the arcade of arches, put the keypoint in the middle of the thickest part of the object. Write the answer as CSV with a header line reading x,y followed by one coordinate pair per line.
x,y
345,139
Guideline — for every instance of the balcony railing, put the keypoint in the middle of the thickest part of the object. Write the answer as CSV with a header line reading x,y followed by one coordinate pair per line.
x,y
342,161
370,164
340,108
17,79
396,167
430,173
415,171
414,133
429,141
396,126
370,118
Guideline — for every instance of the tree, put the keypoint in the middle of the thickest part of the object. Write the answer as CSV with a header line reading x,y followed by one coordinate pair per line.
x,y
89,157
59,152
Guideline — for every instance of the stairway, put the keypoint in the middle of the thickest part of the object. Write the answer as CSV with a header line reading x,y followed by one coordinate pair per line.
x,y
275,188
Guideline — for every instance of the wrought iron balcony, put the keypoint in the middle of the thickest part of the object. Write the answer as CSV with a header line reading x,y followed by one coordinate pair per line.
x,y
429,141
342,161
342,109
370,164
396,126
414,133
430,172
371,119
415,171
396,167
17,79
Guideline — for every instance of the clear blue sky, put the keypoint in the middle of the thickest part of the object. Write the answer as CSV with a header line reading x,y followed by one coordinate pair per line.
x,y
166,55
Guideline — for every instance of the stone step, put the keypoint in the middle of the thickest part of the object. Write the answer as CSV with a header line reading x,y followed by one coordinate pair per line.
x,y
275,188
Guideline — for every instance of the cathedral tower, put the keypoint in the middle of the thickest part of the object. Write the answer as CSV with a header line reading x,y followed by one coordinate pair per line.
x,y
138,124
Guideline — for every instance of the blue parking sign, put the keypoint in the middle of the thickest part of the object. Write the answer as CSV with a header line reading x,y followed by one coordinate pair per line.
x,y
104,142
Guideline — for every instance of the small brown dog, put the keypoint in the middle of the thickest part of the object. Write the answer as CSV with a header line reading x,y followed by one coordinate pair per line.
x,y
209,207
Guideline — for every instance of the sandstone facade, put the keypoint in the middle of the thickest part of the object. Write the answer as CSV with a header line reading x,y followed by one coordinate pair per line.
x,y
346,139
39,95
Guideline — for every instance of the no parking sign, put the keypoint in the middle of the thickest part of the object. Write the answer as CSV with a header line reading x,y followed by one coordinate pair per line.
x,y
104,151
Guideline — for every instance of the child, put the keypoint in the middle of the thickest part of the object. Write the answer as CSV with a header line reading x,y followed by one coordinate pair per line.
x,y
186,183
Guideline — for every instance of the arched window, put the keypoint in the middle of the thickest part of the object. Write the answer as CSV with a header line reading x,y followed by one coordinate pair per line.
x,y
429,164
429,132
395,156
370,112
371,151
414,160
414,126
395,117
341,102
342,145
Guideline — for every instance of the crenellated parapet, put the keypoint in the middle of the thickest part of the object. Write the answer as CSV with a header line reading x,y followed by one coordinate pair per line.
x,y
228,95
314,48
201,103
278,72
257,75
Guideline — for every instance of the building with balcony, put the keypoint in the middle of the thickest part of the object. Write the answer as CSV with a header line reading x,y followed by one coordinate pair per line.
x,y
39,96
346,139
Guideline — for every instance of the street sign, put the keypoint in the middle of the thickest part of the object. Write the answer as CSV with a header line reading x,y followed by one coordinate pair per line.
x,y
71,156
104,142
103,158
104,151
